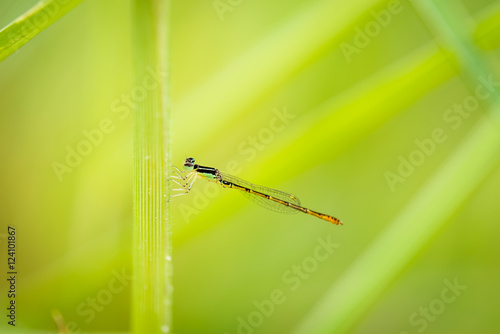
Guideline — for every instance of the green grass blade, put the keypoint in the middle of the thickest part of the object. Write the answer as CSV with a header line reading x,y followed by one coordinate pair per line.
x,y
431,207
350,297
445,20
267,54
488,29
31,23
152,289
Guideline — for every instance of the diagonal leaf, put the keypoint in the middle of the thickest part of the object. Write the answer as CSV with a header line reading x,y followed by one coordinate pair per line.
x,y
248,85
431,207
358,288
31,23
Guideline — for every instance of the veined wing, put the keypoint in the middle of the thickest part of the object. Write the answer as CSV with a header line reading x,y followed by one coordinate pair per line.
x,y
262,201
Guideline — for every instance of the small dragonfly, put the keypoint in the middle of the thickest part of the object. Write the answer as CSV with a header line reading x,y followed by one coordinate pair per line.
x,y
271,199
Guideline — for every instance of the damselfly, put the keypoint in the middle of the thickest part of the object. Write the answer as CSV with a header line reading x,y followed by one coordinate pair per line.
x,y
272,199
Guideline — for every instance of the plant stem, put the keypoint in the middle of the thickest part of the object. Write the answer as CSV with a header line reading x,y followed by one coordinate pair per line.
x,y
152,289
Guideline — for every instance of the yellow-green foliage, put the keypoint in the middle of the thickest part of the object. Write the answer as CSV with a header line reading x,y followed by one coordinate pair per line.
x,y
381,113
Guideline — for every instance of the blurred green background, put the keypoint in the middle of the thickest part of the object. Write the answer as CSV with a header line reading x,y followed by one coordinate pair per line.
x,y
366,110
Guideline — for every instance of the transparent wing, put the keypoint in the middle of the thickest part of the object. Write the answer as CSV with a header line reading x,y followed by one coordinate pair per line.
x,y
262,201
